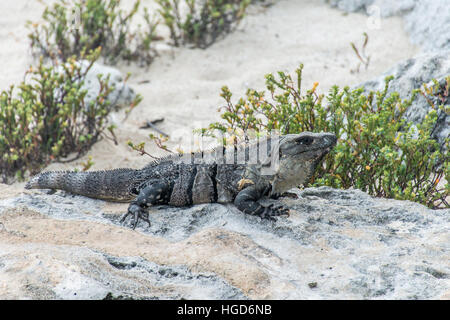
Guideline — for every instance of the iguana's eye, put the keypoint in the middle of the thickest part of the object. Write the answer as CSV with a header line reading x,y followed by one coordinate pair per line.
x,y
305,141
134,191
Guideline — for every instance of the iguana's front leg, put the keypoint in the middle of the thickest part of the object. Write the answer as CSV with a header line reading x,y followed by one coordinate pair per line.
x,y
247,202
151,194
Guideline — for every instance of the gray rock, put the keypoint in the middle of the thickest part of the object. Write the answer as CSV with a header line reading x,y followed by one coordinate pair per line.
x,y
426,21
385,8
83,273
122,94
120,97
336,244
412,74
350,5
388,8
429,24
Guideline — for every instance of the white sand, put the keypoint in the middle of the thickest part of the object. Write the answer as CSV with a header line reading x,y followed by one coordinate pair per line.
x,y
185,84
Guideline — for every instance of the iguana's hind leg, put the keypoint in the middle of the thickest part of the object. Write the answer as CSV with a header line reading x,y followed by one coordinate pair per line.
x,y
157,193
247,202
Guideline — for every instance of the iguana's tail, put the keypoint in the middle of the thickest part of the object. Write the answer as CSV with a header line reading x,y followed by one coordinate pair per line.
x,y
114,185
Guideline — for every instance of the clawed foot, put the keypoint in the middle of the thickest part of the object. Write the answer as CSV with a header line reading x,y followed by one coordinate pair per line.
x,y
136,213
271,211
291,195
284,195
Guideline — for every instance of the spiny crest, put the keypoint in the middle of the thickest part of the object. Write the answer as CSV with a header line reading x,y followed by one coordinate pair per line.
x,y
241,146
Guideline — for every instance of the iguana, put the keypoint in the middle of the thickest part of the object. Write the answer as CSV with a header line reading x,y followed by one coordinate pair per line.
x,y
240,174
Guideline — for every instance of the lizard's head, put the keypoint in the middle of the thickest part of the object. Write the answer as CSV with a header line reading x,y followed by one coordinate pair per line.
x,y
298,157
306,145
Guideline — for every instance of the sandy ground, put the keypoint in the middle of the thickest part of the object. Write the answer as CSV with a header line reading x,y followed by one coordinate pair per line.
x,y
183,85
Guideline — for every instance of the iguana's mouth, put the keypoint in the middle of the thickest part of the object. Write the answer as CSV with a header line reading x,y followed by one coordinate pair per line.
x,y
324,150
318,152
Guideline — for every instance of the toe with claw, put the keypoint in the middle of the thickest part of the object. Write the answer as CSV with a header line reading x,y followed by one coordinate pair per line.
x,y
136,212
271,211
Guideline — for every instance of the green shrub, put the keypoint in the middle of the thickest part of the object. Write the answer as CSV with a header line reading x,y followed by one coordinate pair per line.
x,y
83,25
47,116
204,21
377,150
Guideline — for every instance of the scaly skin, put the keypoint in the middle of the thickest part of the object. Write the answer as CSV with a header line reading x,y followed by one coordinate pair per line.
x,y
241,175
